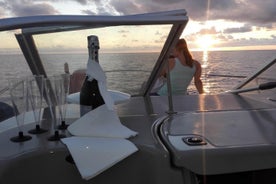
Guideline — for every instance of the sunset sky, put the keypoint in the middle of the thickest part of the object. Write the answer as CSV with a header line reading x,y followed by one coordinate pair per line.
x,y
213,24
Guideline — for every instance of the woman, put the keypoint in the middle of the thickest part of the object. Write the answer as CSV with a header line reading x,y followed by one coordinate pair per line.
x,y
183,68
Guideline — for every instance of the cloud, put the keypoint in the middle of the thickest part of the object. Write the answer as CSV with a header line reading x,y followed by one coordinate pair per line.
x,y
123,31
250,11
211,30
83,2
161,39
206,31
158,33
28,8
249,42
89,12
243,29
126,7
229,40
3,8
101,8
144,6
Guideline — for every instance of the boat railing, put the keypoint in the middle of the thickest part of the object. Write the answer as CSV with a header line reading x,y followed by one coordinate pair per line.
x,y
257,73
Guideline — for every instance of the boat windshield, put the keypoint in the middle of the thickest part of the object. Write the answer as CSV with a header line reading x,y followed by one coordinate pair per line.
x,y
133,48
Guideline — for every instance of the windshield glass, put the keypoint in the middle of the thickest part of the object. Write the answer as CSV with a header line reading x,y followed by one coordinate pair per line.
x,y
12,63
127,53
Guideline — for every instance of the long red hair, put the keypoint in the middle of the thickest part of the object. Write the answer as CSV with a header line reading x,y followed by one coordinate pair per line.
x,y
182,46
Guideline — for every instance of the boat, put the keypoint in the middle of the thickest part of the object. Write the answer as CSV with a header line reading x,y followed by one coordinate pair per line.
x,y
183,139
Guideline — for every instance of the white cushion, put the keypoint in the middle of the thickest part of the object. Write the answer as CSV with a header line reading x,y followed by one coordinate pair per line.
x,y
117,96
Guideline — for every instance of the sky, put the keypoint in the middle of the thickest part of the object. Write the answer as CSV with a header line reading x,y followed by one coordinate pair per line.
x,y
213,24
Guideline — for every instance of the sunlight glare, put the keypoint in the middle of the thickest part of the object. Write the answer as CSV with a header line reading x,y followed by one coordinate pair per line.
x,y
205,59
205,42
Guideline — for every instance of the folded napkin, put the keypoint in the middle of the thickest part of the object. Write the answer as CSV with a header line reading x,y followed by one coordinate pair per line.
x,y
94,155
100,122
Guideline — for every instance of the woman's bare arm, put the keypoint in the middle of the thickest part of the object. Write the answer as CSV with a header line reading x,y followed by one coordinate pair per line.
x,y
197,78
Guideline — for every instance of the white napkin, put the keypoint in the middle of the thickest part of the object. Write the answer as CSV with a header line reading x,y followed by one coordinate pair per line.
x,y
100,122
95,71
94,155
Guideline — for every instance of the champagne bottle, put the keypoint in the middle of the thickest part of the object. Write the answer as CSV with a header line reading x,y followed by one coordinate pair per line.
x,y
90,96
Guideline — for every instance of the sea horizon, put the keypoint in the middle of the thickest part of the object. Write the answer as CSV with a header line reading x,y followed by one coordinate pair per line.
x,y
15,51
126,72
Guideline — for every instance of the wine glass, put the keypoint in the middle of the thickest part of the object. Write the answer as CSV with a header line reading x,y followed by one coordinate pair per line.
x,y
18,93
63,100
35,95
53,90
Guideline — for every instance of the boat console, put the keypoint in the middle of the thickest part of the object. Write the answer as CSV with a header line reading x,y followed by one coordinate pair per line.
x,y
210,143
194,142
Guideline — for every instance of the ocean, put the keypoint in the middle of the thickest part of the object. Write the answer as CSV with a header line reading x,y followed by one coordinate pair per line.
x,y
127,72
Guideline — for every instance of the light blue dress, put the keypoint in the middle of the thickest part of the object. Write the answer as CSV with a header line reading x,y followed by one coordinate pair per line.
x,y
181,76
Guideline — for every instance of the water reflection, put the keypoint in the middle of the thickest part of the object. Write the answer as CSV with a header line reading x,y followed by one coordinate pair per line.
x,y
204,59
204,76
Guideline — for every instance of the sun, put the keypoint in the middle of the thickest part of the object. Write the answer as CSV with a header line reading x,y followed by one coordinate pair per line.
x,y
205,42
